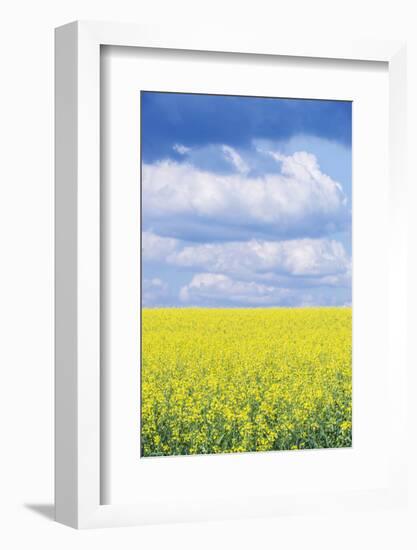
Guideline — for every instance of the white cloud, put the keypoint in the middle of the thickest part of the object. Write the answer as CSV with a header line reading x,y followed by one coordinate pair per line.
x,y
153,291
302,257
303,166
219,290
297,262
235,159
216,288
181,149
300,201
244,240
156,248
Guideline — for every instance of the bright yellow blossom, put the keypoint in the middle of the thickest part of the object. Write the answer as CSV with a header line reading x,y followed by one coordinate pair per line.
x,y
240,380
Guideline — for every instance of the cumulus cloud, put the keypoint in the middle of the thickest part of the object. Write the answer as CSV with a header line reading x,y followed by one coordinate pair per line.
x,y
153,291
192,204
156,248
252,228
181,149
215,288
235,159
300,257
293,263
219,290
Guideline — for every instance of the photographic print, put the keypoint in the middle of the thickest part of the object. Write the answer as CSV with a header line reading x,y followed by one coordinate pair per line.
x,y
246,313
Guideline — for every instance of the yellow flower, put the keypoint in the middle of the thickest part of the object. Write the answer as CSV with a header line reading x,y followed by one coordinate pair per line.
x,y
239,380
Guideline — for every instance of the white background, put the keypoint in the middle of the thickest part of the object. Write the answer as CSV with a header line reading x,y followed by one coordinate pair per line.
x,y
26,302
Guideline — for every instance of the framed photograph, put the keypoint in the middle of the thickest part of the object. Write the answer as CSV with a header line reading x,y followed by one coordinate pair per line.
x,y
230,222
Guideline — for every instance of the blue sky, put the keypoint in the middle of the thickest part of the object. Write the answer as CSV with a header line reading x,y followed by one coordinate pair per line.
x,y
246,202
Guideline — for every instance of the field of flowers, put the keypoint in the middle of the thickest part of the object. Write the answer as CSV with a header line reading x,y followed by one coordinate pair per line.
x,y
234,380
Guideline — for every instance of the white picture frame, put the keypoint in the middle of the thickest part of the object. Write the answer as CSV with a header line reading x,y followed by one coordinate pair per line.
x,y
78,405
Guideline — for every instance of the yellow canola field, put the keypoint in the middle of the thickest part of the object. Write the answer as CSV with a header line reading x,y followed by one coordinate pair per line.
x,y
241,380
